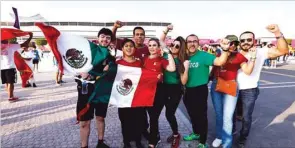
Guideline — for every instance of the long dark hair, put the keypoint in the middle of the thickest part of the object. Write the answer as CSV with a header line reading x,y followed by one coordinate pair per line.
x,y
182,56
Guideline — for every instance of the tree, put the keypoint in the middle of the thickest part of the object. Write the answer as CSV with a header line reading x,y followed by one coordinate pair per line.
x,y
13,41
41,42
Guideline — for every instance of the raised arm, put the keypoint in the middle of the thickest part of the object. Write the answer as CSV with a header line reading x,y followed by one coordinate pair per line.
x,y
282,45
247,68
219,61
171,65
165,32
26,43
184,76
117,24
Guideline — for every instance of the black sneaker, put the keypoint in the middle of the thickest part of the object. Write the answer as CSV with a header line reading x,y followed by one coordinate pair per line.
x,y
101,144
61,81
34,85
28,85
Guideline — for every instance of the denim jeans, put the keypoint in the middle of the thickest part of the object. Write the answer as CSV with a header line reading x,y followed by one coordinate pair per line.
x,y
248,97
224,106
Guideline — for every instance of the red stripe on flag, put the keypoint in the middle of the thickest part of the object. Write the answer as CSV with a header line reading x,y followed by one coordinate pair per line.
x,y
146,89
25,71
10,33
51,34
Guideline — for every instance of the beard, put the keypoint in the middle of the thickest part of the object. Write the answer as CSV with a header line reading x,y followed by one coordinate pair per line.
x,y
246,49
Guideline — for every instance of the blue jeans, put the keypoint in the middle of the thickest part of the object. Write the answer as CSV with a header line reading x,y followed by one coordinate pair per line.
x,y
224,106
248,97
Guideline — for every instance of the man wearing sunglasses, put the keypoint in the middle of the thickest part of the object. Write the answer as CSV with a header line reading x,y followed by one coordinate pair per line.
x,y
248,84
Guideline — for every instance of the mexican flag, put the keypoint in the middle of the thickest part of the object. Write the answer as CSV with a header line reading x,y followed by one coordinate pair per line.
x,y
133,87
124,87
24,69
73,53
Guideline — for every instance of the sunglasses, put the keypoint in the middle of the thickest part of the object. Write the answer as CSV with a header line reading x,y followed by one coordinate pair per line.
x,y
154,45
248,40
175,46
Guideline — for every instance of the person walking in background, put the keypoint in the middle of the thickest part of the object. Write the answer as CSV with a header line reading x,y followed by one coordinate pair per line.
x,y
36,58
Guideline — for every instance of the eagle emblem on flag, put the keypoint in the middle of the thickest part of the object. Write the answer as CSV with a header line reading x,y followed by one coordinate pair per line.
x,y
75,58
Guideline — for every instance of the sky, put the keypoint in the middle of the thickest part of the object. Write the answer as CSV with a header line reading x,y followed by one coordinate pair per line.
x,y
207,19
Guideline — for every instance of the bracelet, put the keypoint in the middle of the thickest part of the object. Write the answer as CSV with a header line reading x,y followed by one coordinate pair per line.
x,y
252,59
165,32
281,36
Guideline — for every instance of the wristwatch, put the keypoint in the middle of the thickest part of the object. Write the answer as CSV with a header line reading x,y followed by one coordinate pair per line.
x,y
281,36
252,59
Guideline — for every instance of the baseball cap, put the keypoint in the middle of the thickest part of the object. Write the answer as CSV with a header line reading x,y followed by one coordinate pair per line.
x,y
232,38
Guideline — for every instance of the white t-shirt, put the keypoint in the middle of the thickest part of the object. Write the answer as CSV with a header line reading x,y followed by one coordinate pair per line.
x,y
28,54
7,56
251,81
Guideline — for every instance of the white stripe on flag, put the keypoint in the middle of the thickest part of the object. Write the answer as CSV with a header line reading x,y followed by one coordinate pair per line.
x,y
125,85
68,41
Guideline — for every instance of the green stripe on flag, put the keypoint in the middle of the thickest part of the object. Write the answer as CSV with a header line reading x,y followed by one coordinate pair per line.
x,y
104,85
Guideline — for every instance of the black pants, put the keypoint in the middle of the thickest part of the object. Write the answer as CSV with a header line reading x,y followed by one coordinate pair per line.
x,y
168,96
195,101
132,123
171,97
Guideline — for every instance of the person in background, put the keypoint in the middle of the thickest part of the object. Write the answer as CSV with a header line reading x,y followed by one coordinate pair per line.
x,y
27,55
36,58
58,74
8,71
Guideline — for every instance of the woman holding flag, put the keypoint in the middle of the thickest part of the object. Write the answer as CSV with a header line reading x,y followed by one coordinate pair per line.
x,y
132,119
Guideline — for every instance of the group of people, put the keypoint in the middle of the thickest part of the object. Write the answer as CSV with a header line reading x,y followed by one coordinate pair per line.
x,y
183,73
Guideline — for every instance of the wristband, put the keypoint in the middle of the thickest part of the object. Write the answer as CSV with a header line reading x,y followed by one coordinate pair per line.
x,y
165,32
252,59
281,36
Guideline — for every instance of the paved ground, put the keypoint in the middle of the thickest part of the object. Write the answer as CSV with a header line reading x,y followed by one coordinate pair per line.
x,y
45,116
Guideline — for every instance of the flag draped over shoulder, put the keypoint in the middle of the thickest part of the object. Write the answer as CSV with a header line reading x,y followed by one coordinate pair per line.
x,y
73,53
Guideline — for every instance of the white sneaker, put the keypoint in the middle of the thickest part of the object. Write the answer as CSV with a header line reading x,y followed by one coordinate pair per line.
x,y
217,142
